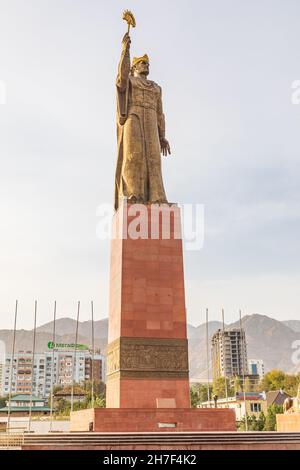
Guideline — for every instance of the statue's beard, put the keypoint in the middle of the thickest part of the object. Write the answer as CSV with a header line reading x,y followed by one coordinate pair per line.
x,y
143,74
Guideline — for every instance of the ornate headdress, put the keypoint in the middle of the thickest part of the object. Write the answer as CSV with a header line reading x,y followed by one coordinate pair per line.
x,y
136,60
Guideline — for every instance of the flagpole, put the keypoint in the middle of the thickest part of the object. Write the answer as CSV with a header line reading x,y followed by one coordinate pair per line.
x,y
32,365
224,358
74,359
93,352
207,357
12,366
243,369
52,368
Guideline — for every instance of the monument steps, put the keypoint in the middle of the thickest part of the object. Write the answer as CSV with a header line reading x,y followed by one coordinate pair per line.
x,y
159,440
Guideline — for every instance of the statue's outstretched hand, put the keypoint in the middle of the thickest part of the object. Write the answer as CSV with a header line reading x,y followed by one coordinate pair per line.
x,y
126,42
165,147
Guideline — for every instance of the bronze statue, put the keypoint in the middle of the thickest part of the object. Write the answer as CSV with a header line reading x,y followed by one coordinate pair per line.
x,y
140,131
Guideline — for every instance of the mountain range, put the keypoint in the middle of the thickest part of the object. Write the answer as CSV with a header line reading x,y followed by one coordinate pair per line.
x,y
267,339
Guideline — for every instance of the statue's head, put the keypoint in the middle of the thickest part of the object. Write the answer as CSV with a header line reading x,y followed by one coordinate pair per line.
x,y
140,66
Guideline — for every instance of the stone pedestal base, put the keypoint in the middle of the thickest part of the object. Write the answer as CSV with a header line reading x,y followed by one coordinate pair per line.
x,y
147,354
155,420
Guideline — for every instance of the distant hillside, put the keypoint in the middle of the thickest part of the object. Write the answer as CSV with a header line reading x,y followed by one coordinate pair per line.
x,y
270,340
267,339
67,326
197,349
293,324
65,333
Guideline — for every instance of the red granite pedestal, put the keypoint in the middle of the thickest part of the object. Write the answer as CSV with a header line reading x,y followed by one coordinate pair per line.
x,y
147,355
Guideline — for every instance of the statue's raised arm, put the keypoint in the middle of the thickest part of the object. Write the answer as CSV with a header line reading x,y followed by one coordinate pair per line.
x,y
124,64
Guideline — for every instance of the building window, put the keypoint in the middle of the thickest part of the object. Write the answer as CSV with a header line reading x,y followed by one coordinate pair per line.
x,y
255,407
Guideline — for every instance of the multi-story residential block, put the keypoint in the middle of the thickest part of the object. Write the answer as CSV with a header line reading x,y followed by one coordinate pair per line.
x,y
22,375
229,353
2,363
49,368
2,368
94,367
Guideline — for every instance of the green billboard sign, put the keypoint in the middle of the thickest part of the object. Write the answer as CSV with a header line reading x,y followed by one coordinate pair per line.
x,y
79,347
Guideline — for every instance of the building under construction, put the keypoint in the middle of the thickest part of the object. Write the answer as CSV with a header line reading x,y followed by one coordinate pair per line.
x,y
229,353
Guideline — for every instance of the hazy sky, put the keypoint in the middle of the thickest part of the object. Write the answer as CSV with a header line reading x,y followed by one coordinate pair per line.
x,y
226,68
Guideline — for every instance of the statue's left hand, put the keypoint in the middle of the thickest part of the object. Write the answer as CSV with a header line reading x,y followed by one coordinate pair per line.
x,y
165,147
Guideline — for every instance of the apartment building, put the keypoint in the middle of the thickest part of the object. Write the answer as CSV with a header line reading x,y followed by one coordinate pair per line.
x,y
52,367
229,353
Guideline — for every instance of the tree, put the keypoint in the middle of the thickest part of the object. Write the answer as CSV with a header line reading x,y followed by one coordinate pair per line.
x,y
237,384
251,423
100,402
56,388
194,396
3,401
199,394
63,407
99,388
254,423
247,385
273,410
261,422
291,384
219,388
277,379
273,380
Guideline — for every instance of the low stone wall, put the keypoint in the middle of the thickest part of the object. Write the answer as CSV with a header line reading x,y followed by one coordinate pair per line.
x,y
288,422
153,420
37,425
82,421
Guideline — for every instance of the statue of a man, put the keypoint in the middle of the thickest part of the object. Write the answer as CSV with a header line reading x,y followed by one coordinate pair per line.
x,y
141,132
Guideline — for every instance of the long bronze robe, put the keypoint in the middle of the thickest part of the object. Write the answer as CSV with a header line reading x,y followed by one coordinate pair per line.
x,y
140,126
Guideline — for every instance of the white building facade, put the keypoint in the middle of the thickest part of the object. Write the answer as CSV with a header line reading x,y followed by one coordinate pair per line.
x,y
256,367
